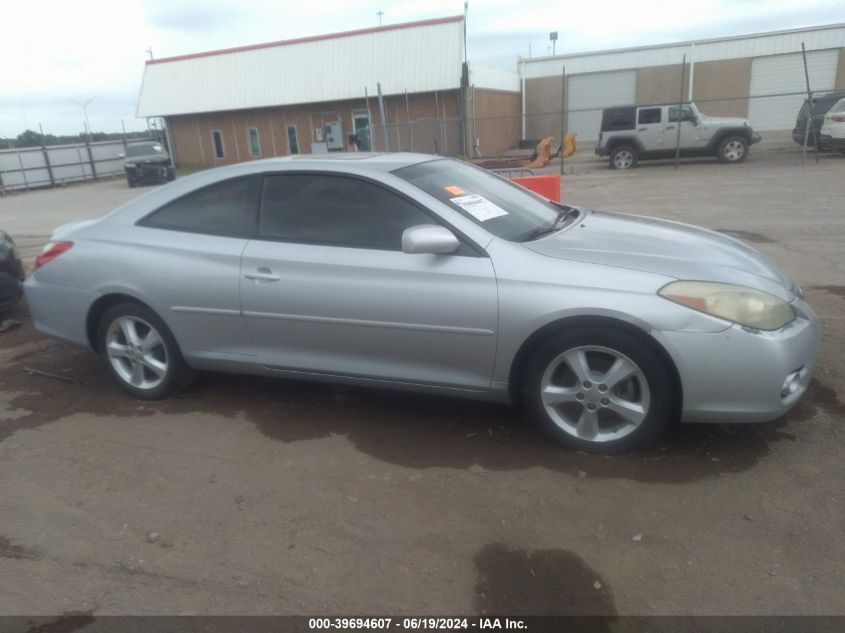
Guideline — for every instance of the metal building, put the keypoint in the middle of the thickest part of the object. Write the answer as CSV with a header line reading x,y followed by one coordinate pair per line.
x,y
311,94
760,77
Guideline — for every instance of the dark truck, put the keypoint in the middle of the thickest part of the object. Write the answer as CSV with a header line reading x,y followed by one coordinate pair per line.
x,y
147,162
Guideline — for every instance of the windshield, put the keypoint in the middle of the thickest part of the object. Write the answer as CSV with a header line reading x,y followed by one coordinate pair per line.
x,y
143,150
506,210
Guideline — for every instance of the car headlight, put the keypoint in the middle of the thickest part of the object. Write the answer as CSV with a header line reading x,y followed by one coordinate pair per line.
x,y
741,305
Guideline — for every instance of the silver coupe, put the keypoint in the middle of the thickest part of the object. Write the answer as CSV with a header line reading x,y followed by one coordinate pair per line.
x,y
423,273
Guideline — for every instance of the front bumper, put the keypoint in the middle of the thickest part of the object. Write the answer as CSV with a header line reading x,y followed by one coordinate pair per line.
x,y
737,375
148,171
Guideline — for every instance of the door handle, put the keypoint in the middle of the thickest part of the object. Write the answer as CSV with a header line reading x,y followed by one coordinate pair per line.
x,y
643,129
671,127
262,274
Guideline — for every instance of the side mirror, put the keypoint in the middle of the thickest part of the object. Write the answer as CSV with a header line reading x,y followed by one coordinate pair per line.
x,y
430,239
121,155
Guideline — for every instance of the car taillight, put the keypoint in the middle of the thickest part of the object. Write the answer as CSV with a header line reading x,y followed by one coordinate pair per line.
x,y
839,118
51,252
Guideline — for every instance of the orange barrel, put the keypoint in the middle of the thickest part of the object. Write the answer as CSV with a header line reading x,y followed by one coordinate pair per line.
x,y
546,186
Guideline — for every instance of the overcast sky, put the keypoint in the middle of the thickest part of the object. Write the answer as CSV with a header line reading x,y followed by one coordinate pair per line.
x,y
56,52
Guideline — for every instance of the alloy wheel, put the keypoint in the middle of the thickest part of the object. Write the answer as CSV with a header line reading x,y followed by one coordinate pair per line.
x,y
733,151
595,393
136,352
623,159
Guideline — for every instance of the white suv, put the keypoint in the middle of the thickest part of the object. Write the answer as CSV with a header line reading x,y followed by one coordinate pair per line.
x,y
632,133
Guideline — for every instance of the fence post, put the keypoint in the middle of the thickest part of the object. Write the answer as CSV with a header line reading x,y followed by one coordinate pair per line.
x,y
46,157
383,118
123,137
562,115
91,159
23,170
408,119
680,110
812,113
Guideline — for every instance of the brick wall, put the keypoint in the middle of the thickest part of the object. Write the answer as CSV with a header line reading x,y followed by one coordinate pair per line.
x,y
192,134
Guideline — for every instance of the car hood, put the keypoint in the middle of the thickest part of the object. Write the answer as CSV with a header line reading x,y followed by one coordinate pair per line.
x,y
665,248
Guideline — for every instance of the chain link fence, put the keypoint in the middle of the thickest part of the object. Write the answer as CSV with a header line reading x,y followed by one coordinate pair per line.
x,y
57,165
780,119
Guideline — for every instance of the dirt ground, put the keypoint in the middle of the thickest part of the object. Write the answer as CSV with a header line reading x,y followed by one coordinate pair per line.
x,y
254,496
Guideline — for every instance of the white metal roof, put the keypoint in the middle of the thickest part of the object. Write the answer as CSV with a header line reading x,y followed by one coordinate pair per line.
x,y
493,78
416,56
756,45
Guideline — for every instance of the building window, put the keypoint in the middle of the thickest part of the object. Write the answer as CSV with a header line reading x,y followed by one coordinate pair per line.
x,y
217,141
254,145
292,142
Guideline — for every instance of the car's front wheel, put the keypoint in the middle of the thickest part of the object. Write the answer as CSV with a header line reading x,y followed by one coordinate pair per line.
x,y
599,390
141,353
623,157
733,149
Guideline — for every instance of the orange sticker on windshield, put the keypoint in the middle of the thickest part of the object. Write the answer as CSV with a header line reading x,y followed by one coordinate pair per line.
x,y
454,190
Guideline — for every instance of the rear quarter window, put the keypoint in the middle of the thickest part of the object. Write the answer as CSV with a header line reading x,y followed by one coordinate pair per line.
x,y
226,208
615,119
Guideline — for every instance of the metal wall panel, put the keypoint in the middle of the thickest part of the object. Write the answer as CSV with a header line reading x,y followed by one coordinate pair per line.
x,y
416,58
777,74
817,38
589,94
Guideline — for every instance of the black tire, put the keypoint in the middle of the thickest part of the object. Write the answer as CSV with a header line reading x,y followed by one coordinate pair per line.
x,y
131,182
623,157
171,174
614,434
153,386
732,149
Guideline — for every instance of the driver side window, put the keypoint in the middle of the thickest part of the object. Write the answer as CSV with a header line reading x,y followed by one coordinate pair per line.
x,y
681,113
334,210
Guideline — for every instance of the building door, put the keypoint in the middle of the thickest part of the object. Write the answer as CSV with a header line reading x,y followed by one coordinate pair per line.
x,y
782,75
587,94
361,125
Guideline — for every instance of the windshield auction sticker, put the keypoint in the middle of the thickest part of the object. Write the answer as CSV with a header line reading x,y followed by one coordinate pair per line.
x,y
478,207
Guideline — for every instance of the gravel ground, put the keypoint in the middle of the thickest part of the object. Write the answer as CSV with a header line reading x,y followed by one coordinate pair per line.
x,y
254,496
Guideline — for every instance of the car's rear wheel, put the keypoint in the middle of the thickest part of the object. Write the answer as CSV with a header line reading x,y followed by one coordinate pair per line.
x,y
141,353
623,157
733,149
599,390
131,182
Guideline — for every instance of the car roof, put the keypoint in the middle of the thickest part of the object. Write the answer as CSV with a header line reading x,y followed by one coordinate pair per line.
x,y
354,161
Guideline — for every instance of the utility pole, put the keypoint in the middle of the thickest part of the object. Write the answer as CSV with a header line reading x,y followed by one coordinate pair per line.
x,y
149,51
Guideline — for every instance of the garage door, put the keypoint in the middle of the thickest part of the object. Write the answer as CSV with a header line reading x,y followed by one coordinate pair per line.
x,y
777,74
590,93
